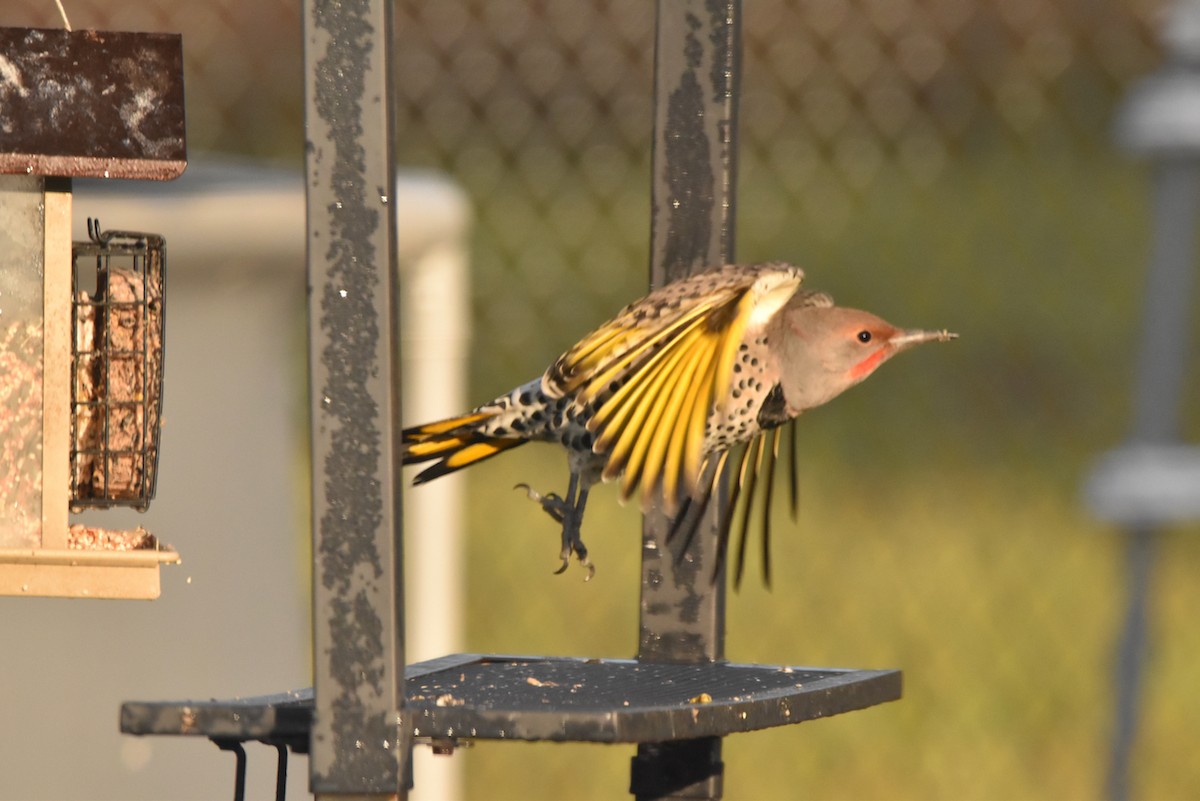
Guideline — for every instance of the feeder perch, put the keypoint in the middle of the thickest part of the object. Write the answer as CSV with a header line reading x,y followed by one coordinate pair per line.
x,y
81,323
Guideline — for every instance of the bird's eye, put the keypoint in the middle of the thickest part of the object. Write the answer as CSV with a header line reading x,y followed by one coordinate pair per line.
x,y
864,336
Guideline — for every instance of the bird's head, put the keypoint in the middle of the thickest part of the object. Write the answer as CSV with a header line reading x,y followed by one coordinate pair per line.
x,y
824,350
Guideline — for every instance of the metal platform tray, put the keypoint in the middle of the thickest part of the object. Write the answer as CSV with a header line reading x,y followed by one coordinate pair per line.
x,y
467,697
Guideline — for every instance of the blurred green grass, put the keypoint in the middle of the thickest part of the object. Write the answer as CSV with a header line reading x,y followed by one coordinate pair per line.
x,y
941,529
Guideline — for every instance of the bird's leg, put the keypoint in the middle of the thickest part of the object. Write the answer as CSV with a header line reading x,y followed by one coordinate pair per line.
x,y
575,534
569,513
572,541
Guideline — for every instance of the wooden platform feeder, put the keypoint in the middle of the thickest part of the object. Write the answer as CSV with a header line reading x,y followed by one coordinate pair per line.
x,y
81,323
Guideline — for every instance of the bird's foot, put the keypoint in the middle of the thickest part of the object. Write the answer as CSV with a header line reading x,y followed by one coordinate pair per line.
x,y
551,503
578,549
564,514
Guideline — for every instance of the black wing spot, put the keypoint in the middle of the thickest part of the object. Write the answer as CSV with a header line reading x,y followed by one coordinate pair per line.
x,y
773,411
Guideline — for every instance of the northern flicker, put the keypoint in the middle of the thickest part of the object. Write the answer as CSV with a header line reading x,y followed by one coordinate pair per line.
x,y
659,397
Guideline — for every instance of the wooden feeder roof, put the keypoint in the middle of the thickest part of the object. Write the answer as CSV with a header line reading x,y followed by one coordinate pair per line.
x,y
94,104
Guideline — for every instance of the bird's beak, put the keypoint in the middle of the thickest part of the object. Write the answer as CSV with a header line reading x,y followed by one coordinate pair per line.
x,y
907,339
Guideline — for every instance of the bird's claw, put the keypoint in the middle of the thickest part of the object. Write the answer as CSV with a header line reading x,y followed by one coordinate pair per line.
x,y
551,503
557,507
579,550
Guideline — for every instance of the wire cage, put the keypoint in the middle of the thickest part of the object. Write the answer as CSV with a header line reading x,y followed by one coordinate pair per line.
x,y
116,367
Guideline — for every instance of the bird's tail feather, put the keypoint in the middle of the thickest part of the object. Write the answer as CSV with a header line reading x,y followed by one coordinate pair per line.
x,y
455,443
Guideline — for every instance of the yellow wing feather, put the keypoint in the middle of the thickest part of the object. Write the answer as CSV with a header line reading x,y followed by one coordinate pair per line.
x,y
625,454
710,385
670,358
618,427
676,444
650,412
645,341
632,413
631,390
660,438
575,367
674,374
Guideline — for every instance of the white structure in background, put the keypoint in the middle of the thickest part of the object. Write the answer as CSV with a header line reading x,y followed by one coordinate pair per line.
x,y
234,617
435,333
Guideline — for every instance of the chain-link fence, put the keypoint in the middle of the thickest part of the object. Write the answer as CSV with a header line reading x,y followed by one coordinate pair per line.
x,y
942,162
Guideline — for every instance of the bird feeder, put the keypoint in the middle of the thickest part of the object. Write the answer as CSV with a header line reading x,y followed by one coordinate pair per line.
x,y
81,323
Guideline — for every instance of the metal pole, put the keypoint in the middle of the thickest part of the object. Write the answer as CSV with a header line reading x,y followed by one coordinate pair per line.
x,y
1162,365
1130,659
360,741
1141,486
1158,394
696,74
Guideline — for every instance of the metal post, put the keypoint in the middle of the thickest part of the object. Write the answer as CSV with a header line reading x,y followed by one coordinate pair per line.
x,y
1158,394
696,73
1162,366
1130,659
360,740
1158,122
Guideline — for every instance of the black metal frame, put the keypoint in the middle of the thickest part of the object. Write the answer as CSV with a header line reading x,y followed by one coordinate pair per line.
x,y
144,255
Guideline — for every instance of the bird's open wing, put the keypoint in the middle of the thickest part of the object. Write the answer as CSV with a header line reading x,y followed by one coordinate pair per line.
x,y
652,375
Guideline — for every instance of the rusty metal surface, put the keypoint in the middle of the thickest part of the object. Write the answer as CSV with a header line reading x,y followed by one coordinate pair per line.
x,y
99,104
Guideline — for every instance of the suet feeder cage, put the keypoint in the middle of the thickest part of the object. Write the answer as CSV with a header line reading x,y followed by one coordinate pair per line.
x,y
81,323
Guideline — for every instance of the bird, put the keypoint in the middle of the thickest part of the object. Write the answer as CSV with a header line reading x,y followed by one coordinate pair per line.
x,y
701,373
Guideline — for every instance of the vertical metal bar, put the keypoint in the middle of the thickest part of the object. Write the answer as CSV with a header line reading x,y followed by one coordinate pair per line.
x,y
360,740
1158,394
239,768
281,770
1163,357
1131,657
696,73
